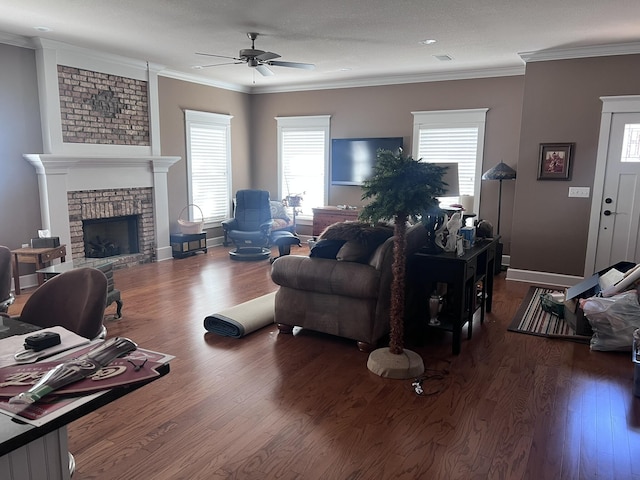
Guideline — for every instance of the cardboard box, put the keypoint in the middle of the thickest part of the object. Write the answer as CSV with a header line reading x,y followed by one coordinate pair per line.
x,y
48,242
574,316
587,288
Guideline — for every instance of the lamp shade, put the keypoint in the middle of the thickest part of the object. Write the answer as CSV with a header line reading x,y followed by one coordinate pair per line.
x,y
501,171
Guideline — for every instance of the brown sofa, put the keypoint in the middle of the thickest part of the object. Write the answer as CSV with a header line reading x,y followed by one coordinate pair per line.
x,y
349,299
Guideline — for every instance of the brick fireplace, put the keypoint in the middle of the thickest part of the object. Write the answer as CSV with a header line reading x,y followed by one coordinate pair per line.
x,y
74,188
101,138
110,215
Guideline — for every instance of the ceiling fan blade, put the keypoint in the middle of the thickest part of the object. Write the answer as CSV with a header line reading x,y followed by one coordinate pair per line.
x,y
264,70
305,66
218,64
218,56
263,57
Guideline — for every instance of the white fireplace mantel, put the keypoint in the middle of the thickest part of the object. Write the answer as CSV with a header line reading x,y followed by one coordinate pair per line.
x,y
59,174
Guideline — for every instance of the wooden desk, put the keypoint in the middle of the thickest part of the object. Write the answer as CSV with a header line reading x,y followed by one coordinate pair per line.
x,y
325,216
461,274
40,257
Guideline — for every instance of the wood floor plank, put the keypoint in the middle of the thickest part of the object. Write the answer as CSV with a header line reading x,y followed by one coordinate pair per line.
x,y
304,406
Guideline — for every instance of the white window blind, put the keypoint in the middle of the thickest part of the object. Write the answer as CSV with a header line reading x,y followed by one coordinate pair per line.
x,y
453,136
452,145
208,165
303,158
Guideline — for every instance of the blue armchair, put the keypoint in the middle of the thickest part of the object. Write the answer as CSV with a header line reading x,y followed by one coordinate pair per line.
x,y
250,229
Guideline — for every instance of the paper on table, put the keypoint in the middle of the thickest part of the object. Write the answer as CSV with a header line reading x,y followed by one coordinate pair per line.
x,y
11,345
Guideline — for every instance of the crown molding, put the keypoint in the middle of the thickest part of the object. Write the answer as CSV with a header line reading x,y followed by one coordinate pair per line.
x,y
395,80
94,55
353,83
16,40
581,52
203,81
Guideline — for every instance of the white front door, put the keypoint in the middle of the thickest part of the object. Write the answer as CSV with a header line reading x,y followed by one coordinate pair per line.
x,y
615,217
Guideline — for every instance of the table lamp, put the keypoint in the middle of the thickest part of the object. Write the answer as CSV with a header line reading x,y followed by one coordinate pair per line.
x,y
500,172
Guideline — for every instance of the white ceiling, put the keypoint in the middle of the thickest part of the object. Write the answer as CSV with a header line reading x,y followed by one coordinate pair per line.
x,y
350,41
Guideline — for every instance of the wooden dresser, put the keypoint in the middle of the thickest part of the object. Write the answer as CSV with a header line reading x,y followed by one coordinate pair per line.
x,y
325,216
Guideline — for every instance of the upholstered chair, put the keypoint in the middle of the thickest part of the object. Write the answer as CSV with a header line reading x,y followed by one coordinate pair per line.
x,y
345,291
75,300
250,228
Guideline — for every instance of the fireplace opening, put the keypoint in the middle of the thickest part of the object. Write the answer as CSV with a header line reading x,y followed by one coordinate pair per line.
x,y
108,237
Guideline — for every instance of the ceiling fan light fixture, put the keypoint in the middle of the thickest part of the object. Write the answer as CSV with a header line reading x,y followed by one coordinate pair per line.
x,y
258,59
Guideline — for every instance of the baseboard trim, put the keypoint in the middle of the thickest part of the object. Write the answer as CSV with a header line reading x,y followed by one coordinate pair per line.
x,y
542,278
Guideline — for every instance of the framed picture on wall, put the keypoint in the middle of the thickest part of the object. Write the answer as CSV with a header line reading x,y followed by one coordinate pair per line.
x,y
555,161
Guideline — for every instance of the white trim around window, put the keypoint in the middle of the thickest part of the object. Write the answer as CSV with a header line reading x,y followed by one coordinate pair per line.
x,y
451,127
208,139
303,159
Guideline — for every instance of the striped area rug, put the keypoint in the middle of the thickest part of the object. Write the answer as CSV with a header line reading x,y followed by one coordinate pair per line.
x,y
532,320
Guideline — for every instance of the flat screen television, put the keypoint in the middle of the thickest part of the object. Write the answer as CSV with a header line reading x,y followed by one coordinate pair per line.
x,y
352,159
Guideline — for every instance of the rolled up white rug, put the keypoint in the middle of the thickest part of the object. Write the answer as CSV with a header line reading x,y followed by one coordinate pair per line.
x,y
244,318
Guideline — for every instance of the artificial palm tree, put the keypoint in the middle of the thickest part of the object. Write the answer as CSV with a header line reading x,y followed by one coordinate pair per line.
x,y
400,188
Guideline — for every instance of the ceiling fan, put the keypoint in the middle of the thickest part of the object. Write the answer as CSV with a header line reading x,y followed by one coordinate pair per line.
x,y
258,59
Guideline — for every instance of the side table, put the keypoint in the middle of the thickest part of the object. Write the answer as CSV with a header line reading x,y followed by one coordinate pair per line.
x,y
183,244
461,274
40,257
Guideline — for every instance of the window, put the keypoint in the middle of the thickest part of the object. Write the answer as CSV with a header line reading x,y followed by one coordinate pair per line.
x,y
303,159
208,165
631,143
453,136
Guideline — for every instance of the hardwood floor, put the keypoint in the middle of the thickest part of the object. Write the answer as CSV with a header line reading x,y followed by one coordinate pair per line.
x,y
510,406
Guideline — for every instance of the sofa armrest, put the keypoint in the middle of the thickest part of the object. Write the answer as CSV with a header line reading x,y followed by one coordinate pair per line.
x,y
326,276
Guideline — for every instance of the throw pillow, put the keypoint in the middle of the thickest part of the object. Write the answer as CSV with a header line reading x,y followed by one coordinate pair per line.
x,y
326,248
353,251
362,239
278,210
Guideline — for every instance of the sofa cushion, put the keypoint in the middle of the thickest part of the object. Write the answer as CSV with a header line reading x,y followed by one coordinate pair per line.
x,y
326,276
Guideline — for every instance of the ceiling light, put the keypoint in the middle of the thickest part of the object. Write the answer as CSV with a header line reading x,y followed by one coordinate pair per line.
x,y
197,67
42,29
430,41
443,58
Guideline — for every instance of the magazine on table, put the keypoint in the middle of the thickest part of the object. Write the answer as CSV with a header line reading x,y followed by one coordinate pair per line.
x,y
138,366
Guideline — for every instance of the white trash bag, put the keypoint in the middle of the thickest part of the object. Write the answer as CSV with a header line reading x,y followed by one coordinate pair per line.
x,y
613,320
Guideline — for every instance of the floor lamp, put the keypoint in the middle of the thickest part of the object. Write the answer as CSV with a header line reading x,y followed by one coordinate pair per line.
x,y
500,172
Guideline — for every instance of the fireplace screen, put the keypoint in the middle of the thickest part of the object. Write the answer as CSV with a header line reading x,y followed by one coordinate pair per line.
x,y
107,237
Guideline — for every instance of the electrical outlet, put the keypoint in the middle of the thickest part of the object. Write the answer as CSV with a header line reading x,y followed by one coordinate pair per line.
x,y
579,192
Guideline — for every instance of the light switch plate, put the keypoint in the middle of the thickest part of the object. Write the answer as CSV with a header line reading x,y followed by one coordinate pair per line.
x,y
579,192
